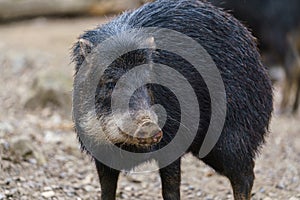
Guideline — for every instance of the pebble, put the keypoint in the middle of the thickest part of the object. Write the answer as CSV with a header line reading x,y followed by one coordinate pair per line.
x,y
191,187
293,198
62,175
89,188
8,181
70,194
2,196
271,194
55,187
133,179
199,194
51,137
21,179
267,198
24,198
47,188
262,190
32,161
128,188
6,127
209,197
48,194
280,186
4,143
87,180
68,189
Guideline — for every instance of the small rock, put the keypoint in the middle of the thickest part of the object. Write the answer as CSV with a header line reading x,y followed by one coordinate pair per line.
x,y
32,161
48,194
271,194
128,188
87,180
21,179
62,175
68,189
199,194
70,194
24,198
47,188
262,190
123,196
89,188
145,184
6,127
191,187
293,198
209,197
13,191
267,198
133,179
55,187
209,174
8,181
2,196
52,137
280,186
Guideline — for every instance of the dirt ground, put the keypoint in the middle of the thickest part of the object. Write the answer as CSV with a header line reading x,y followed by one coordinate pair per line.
x,y
39,153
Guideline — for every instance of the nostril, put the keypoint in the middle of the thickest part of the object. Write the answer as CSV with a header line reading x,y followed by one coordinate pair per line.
x,y
149,130
158,135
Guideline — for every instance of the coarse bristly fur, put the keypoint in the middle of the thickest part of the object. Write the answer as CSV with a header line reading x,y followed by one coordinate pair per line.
x,y
247,85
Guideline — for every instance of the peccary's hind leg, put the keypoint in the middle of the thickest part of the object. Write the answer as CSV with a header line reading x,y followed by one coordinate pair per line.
x,y
108,180
242,186
241,175
170,179
238,169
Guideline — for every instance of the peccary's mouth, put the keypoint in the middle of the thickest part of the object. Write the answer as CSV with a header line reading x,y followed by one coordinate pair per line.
x,y
142,141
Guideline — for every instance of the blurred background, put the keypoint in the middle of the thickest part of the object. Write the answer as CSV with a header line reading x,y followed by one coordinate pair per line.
x,y
39,153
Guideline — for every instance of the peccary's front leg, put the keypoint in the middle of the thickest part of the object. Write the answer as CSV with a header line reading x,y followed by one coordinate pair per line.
x,y
108,180
170,179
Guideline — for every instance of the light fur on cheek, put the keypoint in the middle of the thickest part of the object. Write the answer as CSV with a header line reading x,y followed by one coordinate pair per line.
x,y
93,128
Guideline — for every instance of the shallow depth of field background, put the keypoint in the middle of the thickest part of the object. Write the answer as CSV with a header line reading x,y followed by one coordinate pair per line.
x,y
39,154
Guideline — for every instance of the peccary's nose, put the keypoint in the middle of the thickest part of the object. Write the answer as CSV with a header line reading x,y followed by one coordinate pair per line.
x,y
149,130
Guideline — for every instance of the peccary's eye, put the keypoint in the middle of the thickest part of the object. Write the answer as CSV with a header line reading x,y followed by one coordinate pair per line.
x,y
110,85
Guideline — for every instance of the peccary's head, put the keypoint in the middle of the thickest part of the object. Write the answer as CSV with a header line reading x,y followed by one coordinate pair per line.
x,y
131,122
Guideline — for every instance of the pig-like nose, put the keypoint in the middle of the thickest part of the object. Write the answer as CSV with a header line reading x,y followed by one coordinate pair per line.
x,y
149,130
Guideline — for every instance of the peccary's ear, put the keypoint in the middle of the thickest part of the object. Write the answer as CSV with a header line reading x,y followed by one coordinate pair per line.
x,y
85,47
81,49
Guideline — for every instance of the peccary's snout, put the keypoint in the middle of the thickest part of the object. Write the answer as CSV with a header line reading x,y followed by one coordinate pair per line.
x,y
148,133
139,128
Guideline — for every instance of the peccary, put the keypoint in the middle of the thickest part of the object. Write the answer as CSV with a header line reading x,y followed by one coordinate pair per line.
x,y
276,25
248,90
